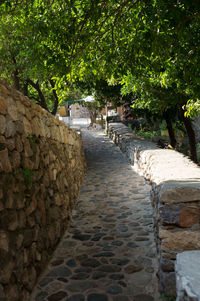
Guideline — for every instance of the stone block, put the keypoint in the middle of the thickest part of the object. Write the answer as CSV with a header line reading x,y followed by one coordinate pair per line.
x,y
4,241
179,192
167,265
27,149
167,284
5,165
19,127
189,217
28,114
12,111
3,106
179,240
2,124
188,276
6,272
12,292
27,126
20,107
10,143
179,215
10,129
15,160
36,126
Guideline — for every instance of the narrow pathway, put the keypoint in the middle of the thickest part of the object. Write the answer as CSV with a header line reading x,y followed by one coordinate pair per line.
x,y
108,253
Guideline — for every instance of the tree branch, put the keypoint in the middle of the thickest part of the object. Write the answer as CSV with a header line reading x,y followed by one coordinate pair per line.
x,y
187,19
36,86
55,96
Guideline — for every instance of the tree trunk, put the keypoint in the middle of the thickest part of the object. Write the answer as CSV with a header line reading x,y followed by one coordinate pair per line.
x,y
15,75
26,88
191,135
36,86
93,116
55,96
16,80
172,137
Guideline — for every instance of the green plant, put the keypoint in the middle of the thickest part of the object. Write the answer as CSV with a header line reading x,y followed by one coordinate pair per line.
x,y
28,177
163,125
169,297
32,139
147,134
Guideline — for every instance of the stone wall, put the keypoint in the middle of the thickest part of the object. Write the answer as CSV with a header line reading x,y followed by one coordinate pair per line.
x,y
41,169
175,197
79,111
188,276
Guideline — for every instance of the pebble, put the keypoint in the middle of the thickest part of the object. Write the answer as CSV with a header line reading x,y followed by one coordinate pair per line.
x,y
57,296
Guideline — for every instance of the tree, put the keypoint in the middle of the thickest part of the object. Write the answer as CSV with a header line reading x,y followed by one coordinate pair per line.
x,y
153,43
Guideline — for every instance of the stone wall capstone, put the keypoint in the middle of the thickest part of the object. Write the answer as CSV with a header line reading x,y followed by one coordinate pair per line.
x,y
42,166
175,198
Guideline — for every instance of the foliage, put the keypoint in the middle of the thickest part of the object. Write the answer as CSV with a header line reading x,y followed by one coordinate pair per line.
x,y
147,134
28,177
32,139
147,49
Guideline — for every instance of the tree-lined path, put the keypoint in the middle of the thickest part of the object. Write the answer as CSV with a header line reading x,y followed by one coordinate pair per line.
x,y
108,252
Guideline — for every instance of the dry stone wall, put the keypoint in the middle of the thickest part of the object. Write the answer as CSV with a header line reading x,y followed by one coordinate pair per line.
x,y
175,197
41,169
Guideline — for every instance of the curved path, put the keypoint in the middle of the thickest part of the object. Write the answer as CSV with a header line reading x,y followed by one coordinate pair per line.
x,y
108,253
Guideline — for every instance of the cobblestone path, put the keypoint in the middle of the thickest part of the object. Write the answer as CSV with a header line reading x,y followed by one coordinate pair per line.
x,y
108,252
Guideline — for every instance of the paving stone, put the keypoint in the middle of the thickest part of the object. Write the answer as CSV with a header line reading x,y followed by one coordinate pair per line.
x,y
81,286
122,228
57,296
97,297
62,279
130,269
122,261
80,276
41,296
45,281
71,263
61,271
122,283
141,238
132,245
109,268
77,297
117,243
98,275
114,290
104,254
90,262
83,270
116,276
82,237
97,236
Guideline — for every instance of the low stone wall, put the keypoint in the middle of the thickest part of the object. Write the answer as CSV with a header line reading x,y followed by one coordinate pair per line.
x,y
175,197
41,169
188,276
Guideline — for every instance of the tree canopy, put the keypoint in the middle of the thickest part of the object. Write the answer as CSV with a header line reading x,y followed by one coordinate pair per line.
x,y
148,49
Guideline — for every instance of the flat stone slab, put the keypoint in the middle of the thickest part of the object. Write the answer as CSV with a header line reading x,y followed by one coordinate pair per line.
x,y
188,275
